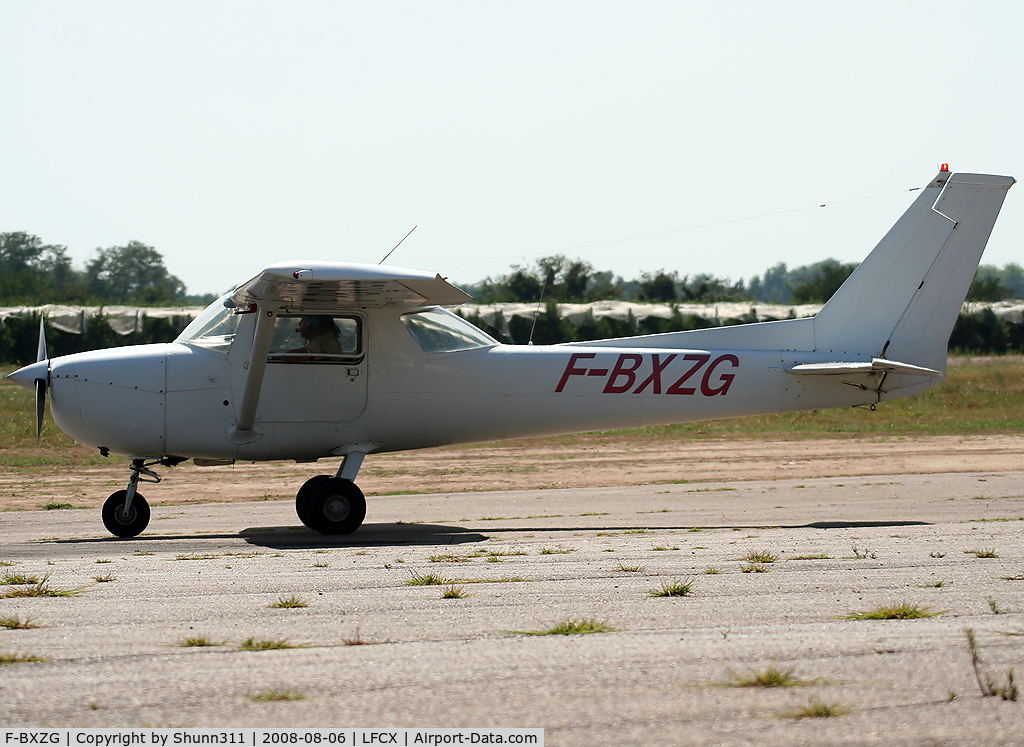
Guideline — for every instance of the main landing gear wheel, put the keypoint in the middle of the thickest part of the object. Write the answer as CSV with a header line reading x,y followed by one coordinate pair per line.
x,y
303,504
335,506
122,524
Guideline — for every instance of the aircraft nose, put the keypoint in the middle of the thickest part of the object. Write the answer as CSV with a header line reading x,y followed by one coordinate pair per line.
x,y
112,398
27,376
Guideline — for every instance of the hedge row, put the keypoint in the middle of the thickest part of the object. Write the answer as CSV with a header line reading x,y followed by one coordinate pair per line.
x,y
981,333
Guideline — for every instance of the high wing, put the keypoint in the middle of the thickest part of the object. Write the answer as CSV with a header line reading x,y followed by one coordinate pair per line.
x,y
314,286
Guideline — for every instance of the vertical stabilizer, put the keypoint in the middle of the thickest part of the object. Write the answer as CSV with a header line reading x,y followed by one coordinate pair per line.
x,y
902,301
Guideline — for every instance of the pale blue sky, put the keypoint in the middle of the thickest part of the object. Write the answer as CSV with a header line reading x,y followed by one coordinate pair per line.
x,y
231,135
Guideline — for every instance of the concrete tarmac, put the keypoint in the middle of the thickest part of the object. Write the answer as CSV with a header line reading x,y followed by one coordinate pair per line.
x,y
526,561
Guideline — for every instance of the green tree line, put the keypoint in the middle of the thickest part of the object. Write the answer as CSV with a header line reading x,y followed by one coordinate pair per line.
x,y
33,273
560,279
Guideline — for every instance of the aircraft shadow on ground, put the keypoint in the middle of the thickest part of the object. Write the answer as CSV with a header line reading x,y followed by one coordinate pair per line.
x,y
710,527
368,535
298,537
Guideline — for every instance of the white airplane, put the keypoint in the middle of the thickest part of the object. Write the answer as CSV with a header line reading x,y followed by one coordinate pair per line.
x,y
378,365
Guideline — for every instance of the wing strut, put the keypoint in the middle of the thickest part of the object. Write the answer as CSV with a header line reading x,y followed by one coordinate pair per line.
x,y
243,432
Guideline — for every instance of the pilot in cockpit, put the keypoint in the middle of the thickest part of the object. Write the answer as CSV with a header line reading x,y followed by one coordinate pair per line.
x,y
320,334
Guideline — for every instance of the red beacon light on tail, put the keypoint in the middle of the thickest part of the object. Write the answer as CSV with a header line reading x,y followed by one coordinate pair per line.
x,y
944,167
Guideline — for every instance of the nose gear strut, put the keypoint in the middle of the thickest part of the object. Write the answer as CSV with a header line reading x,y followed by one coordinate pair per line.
x,y
126,512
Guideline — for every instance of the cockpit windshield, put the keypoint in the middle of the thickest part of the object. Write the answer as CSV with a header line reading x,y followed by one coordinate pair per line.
x,y
440,331
214,328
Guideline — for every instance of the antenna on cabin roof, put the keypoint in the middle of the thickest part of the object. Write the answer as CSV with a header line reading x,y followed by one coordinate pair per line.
x,y
537,312
399,243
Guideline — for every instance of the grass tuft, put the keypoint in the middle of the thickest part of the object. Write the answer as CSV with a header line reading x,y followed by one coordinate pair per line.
x,y
674,589
817,709
758,557
16,623
572,627
18,579
269,644
453,592
199,641
904,611
754,568
42,588
427,579
988,552
773,676
292,602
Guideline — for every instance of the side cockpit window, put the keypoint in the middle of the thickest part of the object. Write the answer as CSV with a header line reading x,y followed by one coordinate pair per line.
x,y
316,338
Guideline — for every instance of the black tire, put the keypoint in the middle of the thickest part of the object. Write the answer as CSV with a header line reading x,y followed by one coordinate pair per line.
x,y
125,526
337,506
303,504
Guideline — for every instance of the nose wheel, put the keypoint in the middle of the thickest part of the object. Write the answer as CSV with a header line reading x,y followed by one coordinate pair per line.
x,y
126,512
125,522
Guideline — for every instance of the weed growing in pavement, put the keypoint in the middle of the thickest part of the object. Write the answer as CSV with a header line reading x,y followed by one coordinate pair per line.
x,y
199,641
758,557
754,568
818,556
988,552
18,579
453,592
773,676
252,644
859,554
904,611
817,709
104,579
42,588
427,579
989,687
16,623
673,589
292,602
572,627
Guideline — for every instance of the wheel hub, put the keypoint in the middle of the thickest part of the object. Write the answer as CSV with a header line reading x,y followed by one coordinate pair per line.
x,y
336,508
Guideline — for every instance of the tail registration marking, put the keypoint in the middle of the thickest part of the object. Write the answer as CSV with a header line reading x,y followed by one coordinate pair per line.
x,y
622,377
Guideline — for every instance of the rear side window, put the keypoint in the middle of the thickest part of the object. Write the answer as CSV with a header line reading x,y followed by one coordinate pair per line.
x,y
440,331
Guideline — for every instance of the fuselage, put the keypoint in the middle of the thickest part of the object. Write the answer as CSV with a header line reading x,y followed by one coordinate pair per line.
x,y
182,398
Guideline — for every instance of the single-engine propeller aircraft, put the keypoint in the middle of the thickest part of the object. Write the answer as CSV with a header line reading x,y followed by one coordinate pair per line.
x,y
379,365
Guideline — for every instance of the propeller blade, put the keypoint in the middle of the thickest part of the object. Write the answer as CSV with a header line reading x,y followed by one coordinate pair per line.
x,y
40,408
41,348
41,384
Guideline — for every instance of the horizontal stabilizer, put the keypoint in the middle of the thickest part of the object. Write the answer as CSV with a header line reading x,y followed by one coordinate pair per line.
x,y
876,365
